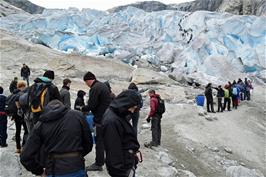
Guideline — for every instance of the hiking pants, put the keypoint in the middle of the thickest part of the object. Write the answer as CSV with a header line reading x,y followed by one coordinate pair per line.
x,y
99,160
227,101
135,120
156,130
20,122
220,106
80,173
247,95
210,103
27,79
3,129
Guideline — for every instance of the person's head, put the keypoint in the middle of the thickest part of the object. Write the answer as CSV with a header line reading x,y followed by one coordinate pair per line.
x,y
49,74
1,90
81,93
219,86
24,65
15,79
209,85
126,102
89,78
151,92
133,86
226,86
66,82
21,85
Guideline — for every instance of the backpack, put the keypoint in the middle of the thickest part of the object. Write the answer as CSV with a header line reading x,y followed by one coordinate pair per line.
x,y
11,104
161,106
226,93
38,96
234,91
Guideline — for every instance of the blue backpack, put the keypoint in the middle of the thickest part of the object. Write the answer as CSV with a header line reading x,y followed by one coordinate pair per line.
x,y
234,91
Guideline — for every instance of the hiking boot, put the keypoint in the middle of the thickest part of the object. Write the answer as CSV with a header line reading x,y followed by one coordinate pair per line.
x,y
151,144
94,167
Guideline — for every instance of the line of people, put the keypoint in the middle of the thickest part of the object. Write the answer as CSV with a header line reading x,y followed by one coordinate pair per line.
x,y
56,138
231,93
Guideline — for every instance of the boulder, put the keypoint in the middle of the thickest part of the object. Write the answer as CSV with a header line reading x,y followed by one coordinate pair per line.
x,y
145,76
240,171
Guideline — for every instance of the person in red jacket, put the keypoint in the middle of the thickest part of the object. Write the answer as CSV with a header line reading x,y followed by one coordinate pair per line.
x,y
155,119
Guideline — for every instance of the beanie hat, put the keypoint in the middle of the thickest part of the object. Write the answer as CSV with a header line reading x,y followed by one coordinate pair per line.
x,y
89,76
49,74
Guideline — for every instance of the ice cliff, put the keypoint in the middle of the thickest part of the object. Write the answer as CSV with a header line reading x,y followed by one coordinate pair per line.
x,y
206,43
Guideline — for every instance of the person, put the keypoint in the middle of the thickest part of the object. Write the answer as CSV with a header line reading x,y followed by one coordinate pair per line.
x,y
241,86
13,85
58,143
121,159
79,102
227,98
248,88
19,118
25,73
3,119
65,94
99,100
135,115
235,95
155,120
53,92
220,95
112,95
209,98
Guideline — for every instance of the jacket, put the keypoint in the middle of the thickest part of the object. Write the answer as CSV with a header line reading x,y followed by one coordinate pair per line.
x,y
153,105
58,131
120,156
2,103
13,86
208,93
25,71
65,96
220,92
79,103
99,100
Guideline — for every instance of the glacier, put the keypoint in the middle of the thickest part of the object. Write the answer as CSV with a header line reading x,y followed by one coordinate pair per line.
x,y
201,42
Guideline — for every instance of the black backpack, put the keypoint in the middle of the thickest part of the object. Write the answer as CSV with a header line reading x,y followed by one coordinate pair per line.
x,y
161,106
38,96
11,106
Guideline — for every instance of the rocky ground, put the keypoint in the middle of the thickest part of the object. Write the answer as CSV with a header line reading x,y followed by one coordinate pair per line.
x,y
194,143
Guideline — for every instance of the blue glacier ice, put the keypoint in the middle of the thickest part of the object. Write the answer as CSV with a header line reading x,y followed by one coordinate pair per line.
x,y
184,41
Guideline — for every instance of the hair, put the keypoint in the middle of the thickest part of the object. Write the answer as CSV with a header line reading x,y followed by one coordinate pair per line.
x,y
66,81
1,90
15,78
81,93
89,76
133,86
152,91
21,84
49,74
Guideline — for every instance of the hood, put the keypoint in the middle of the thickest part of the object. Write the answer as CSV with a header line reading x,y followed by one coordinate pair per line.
x,y
54,110
81,93
133,86
124,101
42,79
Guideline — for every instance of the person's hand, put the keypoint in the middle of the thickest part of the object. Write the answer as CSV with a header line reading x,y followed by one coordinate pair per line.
x,y
148,119
20,112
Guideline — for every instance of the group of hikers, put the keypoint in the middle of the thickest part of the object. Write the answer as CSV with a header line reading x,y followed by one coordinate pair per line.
x,y
232,92
57,138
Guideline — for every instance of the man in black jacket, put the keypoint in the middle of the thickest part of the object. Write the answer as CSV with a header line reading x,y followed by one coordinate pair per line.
x,y
99,100
209,98
58,143
120,140
25,73
13,85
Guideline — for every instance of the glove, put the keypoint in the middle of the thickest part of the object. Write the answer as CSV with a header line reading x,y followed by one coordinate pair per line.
x,y
20,112
148,119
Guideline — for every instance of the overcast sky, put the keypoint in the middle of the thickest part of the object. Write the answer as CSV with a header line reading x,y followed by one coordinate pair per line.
x,y
93,4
